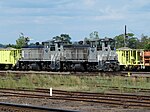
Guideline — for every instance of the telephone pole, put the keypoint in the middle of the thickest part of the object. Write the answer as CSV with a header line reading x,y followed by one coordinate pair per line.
x,y
125,36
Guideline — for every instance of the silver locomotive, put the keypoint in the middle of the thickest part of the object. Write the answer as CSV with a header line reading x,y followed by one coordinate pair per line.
x,y
93,55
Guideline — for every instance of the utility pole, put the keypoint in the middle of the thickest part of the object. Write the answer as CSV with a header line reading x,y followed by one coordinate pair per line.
x,y
125,36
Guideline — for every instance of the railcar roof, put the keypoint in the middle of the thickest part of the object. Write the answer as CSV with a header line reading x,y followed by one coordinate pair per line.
x,y
8,48
127,48
107,39
76,46
124,48
39,46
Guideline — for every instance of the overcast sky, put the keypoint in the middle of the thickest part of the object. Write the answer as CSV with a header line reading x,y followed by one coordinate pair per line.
x,y
44,19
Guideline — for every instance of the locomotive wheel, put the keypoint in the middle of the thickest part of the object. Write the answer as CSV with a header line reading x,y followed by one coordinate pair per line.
x,y
57,66
105,67
2,67
117,68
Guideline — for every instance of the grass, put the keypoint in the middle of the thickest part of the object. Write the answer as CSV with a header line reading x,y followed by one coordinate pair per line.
x,y
74,83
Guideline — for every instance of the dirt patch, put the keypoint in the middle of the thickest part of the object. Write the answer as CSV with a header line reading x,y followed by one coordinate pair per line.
x,y
70,105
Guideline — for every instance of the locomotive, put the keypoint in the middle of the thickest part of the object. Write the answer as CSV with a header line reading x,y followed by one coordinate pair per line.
x,y
52,55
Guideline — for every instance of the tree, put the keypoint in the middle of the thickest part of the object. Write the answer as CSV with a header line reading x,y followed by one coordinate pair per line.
x,y
129,41
145,41
22,41
1,45
147,47
133,42
119,41
65,38
94,35
11,45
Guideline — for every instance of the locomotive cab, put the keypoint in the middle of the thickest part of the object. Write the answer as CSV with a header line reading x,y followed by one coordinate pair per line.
x,y
107,44
52,53
107,57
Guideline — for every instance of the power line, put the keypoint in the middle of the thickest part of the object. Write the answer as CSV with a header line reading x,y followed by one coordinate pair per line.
x,y
134,32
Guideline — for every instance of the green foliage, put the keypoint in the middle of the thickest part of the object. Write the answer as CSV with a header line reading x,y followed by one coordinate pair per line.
x,y
11,45
132,42
120,41
65,38
22,41
145,42
74,83
94,35
128,41
1,45
147,47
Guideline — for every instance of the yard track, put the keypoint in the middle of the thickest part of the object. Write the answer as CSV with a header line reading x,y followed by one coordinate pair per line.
x,y
137,89
120,73
116,99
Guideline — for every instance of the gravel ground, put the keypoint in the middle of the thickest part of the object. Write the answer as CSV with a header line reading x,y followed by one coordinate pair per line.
x,y
70,105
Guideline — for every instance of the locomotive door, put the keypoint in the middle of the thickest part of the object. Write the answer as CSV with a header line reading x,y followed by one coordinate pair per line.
x,y
92,54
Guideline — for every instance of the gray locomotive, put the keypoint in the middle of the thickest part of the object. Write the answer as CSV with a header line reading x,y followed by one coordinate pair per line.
x,y
92,55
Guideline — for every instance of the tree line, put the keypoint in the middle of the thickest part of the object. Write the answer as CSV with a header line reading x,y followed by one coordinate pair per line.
x,y
128,40
131,41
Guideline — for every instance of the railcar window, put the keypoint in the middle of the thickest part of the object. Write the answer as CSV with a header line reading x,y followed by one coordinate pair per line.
x,y
99,46
106,43
46,45
112,45
52,48
93,44
58,45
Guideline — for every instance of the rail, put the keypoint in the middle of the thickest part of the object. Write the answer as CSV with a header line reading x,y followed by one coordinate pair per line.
x,y
120,73
118,99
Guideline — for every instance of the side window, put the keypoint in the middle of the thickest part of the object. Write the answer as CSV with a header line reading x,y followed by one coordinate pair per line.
x,y
46,45
58,45
112,45
99,46
52,48
106,43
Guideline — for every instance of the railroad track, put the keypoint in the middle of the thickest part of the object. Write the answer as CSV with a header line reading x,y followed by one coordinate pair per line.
x,y
136,74
59,73
124,100
10,107
145,90
120,73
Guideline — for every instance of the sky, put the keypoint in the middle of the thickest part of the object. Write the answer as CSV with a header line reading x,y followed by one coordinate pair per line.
x,y
43,19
